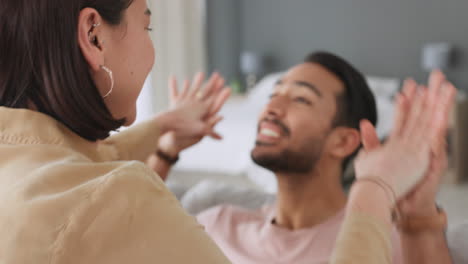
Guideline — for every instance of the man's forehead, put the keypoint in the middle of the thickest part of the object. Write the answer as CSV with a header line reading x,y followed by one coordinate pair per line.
x,y
314,74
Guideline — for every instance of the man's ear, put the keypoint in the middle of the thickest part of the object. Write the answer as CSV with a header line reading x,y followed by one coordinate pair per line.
x,y
90,37
343,141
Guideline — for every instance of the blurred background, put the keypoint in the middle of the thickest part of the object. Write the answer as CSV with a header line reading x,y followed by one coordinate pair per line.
x,y
251,42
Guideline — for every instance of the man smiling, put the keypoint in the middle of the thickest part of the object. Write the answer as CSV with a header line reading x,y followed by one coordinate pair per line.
x,y
306,135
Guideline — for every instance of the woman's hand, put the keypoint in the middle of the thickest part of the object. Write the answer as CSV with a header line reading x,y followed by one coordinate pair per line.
x,y
193,112
421,200
413,151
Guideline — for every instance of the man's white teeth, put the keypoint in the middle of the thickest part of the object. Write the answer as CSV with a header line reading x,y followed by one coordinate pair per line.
x,y
269,133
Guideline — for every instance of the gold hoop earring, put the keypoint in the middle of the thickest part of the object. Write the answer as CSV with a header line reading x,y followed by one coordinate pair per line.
x,y
111,77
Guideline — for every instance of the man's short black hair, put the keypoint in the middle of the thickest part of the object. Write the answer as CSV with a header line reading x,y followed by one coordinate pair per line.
x,y
357,101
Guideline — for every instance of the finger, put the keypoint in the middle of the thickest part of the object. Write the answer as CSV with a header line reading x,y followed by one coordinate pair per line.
x,y
369,137
449,98
410,89
197,83
173,92
214,89
209,85
216,136
436,80
419,121
211,123
185,90
401,114
220,101
427,115
416,117
443,106
404,101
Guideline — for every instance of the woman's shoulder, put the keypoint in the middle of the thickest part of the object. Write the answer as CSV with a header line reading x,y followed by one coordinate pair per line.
x,y
124,177
70,175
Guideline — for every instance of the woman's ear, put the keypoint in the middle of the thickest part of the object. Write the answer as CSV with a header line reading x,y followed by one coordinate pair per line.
x,y
343,142
90,37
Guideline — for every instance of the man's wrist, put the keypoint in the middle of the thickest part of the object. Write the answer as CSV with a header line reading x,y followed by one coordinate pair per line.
x,y
433,221
421,211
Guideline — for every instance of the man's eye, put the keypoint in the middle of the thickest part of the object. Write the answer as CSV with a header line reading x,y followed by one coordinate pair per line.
x,y
302,100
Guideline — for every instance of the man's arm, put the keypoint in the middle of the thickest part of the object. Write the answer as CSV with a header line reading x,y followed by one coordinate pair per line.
x,y
425,247
424,240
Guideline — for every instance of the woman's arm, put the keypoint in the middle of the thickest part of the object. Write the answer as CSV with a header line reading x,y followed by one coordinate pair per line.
x,y
192,115
365,234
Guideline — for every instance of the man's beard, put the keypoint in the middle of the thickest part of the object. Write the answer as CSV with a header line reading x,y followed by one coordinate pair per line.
x,y
288,161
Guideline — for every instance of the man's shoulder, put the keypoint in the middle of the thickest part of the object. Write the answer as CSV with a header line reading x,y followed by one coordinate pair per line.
x,y
230,214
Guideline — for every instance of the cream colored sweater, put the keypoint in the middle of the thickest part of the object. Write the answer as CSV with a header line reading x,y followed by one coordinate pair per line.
x,y
67,200
363,240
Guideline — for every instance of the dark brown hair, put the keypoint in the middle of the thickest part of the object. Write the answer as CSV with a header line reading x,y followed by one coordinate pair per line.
x,y
41,62
356,103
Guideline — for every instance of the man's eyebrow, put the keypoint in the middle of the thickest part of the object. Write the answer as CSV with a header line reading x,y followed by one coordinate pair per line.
x,y
148,12
310,86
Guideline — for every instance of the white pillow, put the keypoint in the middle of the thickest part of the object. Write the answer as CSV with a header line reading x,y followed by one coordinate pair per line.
x,y
383,87
210,193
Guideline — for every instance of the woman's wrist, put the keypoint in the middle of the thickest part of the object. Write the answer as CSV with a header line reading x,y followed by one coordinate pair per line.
x,y
169,158
163,121
167,144
371,199
166,121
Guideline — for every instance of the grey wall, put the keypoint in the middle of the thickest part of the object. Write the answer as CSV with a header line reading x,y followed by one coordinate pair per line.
x,y
223,27
381,37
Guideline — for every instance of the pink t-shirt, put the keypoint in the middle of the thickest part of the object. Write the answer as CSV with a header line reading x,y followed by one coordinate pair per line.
x,y
249,237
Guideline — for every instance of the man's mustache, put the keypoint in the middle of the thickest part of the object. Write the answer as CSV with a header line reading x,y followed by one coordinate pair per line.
x,y
282,126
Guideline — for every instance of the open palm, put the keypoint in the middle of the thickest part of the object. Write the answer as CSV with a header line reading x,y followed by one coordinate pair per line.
x,y
421,199
196,106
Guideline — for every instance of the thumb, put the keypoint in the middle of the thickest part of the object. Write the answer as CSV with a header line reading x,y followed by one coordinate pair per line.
x,y
173,93
369,137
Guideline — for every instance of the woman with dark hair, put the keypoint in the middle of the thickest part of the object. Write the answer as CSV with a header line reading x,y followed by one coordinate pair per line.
x,y
70,73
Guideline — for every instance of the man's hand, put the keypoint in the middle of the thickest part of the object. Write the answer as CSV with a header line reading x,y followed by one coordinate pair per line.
x,y
421,200
431,246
